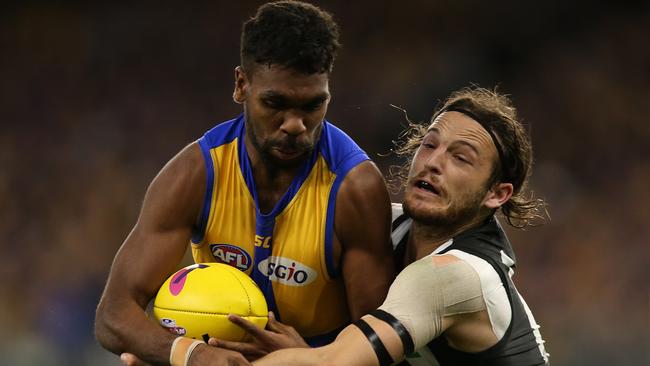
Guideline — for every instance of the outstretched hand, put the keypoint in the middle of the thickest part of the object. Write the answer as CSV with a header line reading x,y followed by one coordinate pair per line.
x,y
264,341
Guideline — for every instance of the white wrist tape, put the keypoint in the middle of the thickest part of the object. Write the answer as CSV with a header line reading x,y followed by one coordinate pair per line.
x,y
181,351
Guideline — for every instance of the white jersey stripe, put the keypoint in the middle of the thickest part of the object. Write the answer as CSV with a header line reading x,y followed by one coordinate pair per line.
x,y
535,327
494,294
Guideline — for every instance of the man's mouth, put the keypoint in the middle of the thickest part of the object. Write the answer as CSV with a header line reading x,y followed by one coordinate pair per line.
x,y
427,187
288,153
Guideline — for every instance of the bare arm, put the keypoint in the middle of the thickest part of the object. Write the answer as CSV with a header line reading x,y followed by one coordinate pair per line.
x,y
406,296
150,253
362,226
351,348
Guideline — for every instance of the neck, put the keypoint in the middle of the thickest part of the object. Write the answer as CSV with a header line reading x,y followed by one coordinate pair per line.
x,y
425,238
271,181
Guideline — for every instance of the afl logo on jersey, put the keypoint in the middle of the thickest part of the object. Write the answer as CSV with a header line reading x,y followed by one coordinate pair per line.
x,y
231,255
287,271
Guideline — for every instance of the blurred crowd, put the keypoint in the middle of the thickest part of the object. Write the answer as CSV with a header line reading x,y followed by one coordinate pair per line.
x,y
96,97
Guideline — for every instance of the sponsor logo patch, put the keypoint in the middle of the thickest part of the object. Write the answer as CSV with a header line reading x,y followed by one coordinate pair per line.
x,y
231,255
170,325
287,271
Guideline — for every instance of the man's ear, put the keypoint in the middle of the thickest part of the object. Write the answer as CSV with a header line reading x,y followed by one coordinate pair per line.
x,y
499,194
241,85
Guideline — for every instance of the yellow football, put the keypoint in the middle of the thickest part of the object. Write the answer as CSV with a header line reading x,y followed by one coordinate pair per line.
x,y
195,302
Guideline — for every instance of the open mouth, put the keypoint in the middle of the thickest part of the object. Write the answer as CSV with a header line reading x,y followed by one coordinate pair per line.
x,y
427,187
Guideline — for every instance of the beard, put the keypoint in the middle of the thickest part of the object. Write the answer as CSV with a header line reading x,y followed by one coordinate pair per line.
x,y
265,147
464,209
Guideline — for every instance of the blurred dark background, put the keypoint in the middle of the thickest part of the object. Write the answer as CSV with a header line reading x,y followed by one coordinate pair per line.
x,y
95,97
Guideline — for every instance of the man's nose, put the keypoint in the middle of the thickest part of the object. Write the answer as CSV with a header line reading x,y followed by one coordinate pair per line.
x,y
293,124
435,161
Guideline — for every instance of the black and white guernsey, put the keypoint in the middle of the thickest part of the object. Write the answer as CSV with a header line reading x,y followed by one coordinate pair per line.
x,y
520,342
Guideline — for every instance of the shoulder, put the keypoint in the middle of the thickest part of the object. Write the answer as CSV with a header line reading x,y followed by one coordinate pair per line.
x,y
451,275
487,274
365,173
363,182
222,133
187,164
338,149
492,290
174,197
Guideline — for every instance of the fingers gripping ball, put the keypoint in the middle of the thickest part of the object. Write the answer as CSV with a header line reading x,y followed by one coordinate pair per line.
x,y
195,302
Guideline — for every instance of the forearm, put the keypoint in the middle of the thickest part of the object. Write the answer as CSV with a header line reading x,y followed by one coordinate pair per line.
x,y
350,348
125,327
293,356
170,208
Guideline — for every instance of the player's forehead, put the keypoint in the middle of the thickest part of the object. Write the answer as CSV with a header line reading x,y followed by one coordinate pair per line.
x,y
457,126
279,81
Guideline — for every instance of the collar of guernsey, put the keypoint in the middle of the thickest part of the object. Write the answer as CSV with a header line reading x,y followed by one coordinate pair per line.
x,y
340,159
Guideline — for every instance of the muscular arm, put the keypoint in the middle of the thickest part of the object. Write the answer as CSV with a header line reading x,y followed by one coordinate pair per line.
x,y
351,348
362,226
412,304
150,253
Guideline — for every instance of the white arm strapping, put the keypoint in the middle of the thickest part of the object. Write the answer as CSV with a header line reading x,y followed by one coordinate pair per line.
x,y
423,293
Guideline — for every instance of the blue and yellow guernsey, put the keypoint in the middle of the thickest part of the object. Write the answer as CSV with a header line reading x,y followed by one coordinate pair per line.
x,y
288,251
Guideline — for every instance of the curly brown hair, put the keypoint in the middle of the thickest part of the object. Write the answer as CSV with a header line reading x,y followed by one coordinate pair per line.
x,y
496,113
292,34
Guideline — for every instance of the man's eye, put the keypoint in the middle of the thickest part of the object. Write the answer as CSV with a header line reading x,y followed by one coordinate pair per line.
x,y
271,104
313,106
461,158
